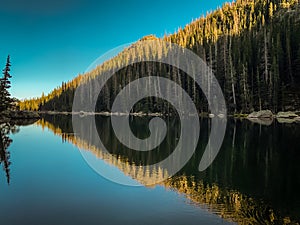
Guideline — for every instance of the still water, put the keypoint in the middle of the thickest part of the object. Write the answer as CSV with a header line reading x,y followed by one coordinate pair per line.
x,y
45,179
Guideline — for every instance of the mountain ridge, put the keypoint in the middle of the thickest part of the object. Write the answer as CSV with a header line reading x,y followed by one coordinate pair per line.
x,y
253,47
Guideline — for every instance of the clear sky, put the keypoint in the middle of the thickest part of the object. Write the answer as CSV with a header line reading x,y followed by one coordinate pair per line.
x,y
53,41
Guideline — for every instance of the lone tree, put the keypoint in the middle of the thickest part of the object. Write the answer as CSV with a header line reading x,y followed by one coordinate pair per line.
x,y
5,99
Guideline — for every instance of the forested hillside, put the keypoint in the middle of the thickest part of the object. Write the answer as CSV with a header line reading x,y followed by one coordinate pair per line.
x,y
253,48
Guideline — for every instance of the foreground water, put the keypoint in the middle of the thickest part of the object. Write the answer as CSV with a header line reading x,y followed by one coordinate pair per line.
x,y
254,179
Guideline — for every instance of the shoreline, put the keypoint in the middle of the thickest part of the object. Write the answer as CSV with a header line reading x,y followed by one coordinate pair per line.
x,y
263,117
19,117
139,114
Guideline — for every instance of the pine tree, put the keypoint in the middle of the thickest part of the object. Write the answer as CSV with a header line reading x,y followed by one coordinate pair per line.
x,y
5,99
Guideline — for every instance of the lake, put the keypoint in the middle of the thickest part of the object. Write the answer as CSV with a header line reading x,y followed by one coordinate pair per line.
x,y
46,178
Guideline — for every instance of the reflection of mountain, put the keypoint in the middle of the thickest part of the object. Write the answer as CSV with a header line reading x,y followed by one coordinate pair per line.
x,y
254,179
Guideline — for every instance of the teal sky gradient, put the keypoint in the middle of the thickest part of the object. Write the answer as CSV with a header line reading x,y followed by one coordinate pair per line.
x,y
53,41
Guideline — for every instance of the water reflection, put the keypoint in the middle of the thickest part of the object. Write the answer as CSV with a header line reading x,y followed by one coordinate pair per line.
x,y
254,179
7,128
5,142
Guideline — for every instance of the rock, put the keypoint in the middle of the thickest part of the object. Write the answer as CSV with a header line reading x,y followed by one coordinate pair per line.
x,y
125,114
288,120
221,115
211,115
288,114
155,114
261,121
261,114
285,120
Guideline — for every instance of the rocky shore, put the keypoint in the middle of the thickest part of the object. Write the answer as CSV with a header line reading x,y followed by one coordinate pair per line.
x,y
266,117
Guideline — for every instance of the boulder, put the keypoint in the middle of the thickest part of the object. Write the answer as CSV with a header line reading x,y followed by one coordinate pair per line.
x,y
288,114
261,114
285,120
211,115
261,121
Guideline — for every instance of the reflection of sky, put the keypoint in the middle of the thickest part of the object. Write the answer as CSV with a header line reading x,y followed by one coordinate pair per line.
x,y
53,41
107,170
52,184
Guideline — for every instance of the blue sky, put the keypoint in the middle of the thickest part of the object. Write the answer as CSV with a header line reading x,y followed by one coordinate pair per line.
x,y
53,41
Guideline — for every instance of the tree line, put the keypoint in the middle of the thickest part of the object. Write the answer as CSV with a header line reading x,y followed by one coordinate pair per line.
x,y
253,48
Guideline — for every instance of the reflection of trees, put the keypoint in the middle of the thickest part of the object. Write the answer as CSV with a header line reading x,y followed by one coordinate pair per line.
x,y
5,129
227,203
5,141
242,174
